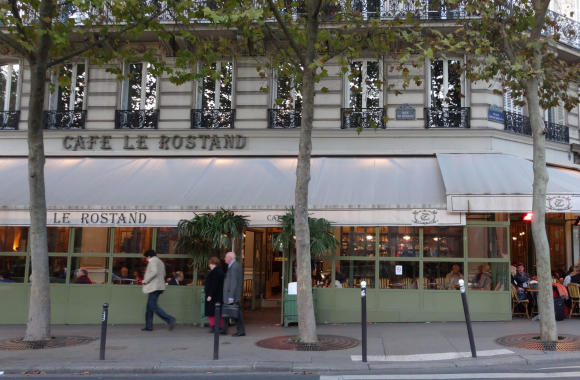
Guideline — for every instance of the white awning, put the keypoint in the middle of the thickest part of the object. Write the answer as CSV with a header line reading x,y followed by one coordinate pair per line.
x,y
503,183
360,188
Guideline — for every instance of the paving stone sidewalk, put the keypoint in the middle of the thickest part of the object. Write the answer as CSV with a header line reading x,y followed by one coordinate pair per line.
x,y
190,349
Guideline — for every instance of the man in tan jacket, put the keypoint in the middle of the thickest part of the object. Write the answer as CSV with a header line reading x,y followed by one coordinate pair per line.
x,y
154,285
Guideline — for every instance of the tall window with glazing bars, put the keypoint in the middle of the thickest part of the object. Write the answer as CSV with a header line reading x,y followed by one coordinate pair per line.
x,y
9,92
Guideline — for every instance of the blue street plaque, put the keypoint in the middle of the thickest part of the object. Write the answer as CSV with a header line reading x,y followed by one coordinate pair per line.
x,y
405,112
495,114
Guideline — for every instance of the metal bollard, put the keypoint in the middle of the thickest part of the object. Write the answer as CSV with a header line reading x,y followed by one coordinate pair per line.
x,y
216,330
104,330
467,318
363,321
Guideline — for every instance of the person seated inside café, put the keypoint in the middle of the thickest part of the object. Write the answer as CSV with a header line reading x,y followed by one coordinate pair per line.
x,y
4,277
482,279
575,275
521,281
83,277
123,277
177,279
453,277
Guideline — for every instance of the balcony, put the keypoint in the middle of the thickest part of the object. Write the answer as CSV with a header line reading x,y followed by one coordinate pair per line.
x,y
283,118
520,124
222,118
64,119
136,119
569,29
9,120
362,118
447,117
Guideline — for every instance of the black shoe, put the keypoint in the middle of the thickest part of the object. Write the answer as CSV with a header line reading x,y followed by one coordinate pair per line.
x,y
172,324
239,334
146,329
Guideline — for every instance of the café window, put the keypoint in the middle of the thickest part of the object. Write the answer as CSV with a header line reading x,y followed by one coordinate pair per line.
x,y
91,240
133,239
358,241
399,241
167,238
13,239
57,239
399,275
443,242
490,276
442,275
350,273
129,270
89,270
12,269
487,242
67,100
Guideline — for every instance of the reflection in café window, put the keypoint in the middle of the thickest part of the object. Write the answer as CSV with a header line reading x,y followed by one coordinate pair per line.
x,y
442,275
132,239
167,238
89,270
91,240
357,241
351,273
487,242
57,239
129,271
12,269
57,270
398,275
488,276
443,242
399,241
183,266
13,239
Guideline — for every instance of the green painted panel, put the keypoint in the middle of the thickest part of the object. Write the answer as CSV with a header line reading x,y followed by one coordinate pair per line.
x,y
14,303
442,301
59,301
85,303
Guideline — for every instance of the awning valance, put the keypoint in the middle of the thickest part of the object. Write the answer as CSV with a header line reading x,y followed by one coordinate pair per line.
x,y
503,183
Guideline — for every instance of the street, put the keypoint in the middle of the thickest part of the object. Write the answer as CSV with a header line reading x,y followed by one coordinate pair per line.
x,y
497,372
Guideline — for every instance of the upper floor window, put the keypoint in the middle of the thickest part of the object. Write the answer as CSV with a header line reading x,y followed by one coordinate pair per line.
x,y
139,97
67,99
214,104
287,110
364,97
556,126
9,92
445,97
509,102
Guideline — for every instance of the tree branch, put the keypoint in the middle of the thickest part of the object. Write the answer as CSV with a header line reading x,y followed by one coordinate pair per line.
x,y
14,44
277,42
540,9
16,15
284,27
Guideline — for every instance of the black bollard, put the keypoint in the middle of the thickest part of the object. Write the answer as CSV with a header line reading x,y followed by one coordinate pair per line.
x,y
363,320
216,330
104,330
467,318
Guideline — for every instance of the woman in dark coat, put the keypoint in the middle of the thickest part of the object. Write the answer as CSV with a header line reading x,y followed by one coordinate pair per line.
x,y
214,287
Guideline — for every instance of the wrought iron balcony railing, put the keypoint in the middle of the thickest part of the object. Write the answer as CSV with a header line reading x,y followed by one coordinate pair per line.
x,y
283,118
423,9
362,118
221,118
136,119
447,117
64,119
520,124
9,120
569,29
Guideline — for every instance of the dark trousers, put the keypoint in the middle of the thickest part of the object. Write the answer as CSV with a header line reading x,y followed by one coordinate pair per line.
x,y
153,308
240,328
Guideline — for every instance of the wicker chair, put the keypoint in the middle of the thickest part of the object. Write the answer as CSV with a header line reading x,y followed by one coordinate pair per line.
x,y
574,294
516,302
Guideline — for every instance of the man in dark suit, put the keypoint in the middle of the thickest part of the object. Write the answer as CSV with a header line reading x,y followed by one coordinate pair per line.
x,y
233,285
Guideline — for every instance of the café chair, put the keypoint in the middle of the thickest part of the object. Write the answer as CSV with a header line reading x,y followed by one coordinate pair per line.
x,y
516,302
574,294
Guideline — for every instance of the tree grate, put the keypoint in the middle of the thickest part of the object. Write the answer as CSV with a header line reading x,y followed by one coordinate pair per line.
x,y
54,342
532,342
325,343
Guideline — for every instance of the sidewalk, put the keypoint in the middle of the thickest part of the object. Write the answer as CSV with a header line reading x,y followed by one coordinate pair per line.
x,y
190,349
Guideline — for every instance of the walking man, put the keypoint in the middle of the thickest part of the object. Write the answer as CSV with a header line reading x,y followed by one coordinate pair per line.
x,y
233,289
154,285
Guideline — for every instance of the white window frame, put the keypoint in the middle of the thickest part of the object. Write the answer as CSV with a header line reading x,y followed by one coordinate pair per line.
x,y
556,115
462,81
293,92
508,103
125,86
8,90
364,85
54,98
217,87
